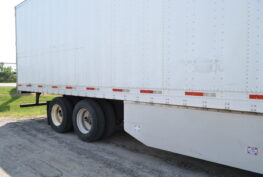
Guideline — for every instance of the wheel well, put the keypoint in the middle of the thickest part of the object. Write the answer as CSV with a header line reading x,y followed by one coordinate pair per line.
x,y
117,104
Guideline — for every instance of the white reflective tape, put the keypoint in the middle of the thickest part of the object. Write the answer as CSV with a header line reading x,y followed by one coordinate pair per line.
x,y
210,94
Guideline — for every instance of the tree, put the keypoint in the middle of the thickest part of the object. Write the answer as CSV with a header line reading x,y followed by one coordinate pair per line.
x,y
6,74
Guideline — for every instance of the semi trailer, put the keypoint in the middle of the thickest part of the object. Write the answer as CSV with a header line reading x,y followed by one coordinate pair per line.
x,y
183,76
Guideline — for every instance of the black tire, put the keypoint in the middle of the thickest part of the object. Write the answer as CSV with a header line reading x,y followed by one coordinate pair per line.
x,y
73,99
110,117
119,112
96,118
66,114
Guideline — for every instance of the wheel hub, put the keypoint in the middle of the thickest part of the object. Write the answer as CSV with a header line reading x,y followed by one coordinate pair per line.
x,y
84,120
57,115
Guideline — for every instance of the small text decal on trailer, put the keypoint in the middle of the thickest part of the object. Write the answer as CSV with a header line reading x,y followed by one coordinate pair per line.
x,y
252,150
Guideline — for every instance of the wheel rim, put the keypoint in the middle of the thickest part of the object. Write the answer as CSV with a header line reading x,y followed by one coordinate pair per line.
x,y
84,121
57,115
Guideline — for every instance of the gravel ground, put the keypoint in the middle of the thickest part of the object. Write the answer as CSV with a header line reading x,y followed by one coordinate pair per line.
x,y
30,148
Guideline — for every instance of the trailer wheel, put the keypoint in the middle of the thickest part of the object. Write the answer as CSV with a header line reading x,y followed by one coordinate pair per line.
x,y
60,115
119,111
110,117
73,99
88,120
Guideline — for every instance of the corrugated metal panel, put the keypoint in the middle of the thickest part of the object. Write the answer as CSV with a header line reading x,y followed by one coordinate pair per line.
x,y
167,46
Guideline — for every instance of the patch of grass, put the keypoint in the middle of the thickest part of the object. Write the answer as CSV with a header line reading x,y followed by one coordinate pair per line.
x,y
10,102
7,90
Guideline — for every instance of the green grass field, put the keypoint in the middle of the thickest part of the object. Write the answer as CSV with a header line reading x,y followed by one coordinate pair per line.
x,y
10,101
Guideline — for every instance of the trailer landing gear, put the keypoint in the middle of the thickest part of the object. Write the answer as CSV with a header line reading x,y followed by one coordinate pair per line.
x,y
36,104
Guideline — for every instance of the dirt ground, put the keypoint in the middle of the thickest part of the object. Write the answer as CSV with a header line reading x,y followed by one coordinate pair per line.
x,y
30,148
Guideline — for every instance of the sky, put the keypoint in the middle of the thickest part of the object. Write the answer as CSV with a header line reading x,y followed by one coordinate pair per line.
x,y
7,30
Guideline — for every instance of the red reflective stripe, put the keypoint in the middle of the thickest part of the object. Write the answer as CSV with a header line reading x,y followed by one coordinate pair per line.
x,y
28,85
54,86
117,90
256,97
194,93
146,91
40,86
69,87
19,85
89,88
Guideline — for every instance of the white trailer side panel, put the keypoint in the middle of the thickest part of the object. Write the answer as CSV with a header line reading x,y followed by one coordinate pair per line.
x,y
226,138
202,53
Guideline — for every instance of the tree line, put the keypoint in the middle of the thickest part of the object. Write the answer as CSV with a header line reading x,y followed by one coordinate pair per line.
x,y
6,74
